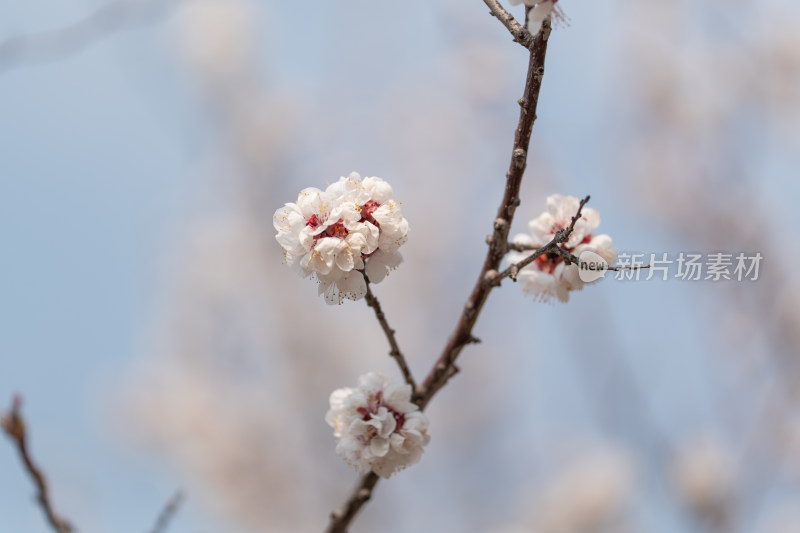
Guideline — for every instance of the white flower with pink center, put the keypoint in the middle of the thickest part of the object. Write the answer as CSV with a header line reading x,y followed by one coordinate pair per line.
x,y
377,426
372,197
549,277
542,10
560,210
333,234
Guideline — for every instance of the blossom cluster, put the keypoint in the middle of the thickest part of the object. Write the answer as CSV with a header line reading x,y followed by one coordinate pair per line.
x,y
549,276
377,425
354,225
542,10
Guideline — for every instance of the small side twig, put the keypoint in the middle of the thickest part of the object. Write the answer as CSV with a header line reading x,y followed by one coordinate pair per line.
x,y
517,30
14,426
632,267
167,513
568,257
341,518
395,352
560,237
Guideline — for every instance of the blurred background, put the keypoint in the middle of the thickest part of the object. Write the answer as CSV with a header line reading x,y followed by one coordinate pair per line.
x,y
160,344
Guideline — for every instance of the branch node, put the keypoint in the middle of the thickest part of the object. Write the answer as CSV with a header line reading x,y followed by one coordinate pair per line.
x,y
552,247
491,277
12,422
500,224
519,157
513,204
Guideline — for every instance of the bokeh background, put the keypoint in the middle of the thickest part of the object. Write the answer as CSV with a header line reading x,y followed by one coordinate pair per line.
x,y
160,344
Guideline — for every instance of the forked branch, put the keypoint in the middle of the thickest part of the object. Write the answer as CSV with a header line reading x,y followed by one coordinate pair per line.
x,y
517,30
498,240
560,237
445,367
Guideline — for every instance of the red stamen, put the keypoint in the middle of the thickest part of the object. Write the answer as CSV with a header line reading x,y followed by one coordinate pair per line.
x,y
336,230
547,263
400,418
367,412
366,212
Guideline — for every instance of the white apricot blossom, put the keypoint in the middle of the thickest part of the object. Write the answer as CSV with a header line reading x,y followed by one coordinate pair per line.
x,y
549,277
353,225
377,426
381,214
542,10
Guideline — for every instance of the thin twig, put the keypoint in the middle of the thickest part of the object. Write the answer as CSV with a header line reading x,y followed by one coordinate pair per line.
x,y
633,267
517,247
541,250
167,513
395,352
517,30
341,518
14,426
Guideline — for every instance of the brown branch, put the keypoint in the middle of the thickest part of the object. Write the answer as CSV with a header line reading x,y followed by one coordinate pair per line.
x,y
445,367
517,247
14,426
395,352
341,518
551,247
572,259
462,335
519,32
167,513
569,258
633,267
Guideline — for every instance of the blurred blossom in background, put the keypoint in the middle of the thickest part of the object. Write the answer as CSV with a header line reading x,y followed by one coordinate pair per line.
x,y
159,342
